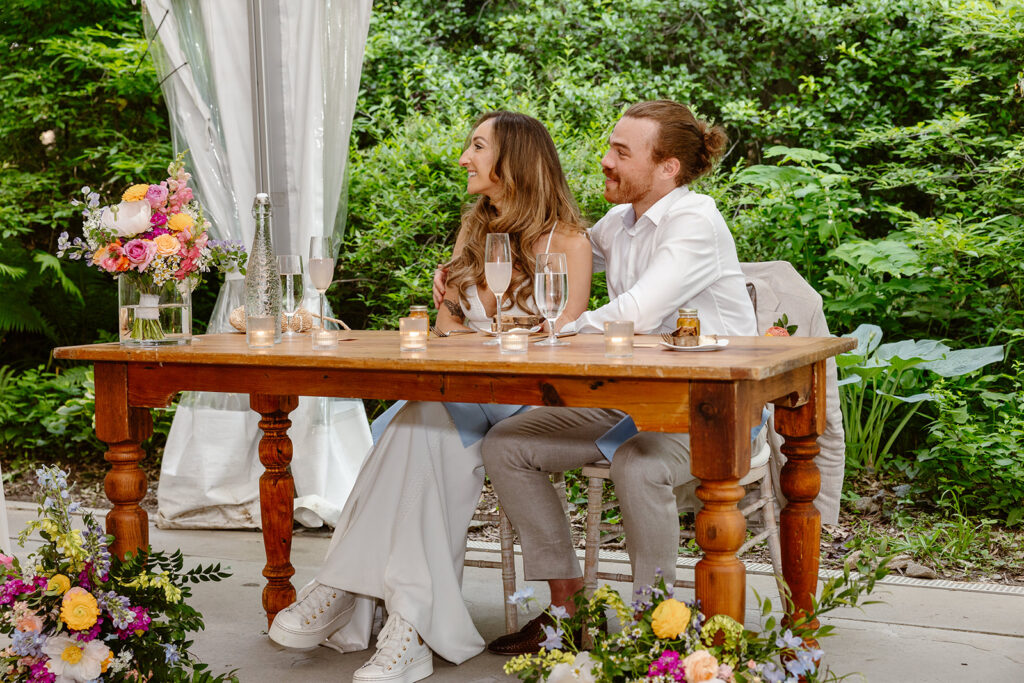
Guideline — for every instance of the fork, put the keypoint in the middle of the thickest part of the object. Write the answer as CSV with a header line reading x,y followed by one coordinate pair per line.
x,y
439,333
667,338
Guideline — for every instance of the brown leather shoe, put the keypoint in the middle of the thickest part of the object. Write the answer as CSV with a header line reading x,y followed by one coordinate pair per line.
x,y
525,641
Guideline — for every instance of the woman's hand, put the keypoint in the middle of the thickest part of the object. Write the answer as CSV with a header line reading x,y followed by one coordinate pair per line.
x,y
440,278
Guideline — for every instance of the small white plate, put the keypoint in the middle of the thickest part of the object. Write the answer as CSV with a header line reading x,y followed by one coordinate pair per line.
x,y
531,330
716,345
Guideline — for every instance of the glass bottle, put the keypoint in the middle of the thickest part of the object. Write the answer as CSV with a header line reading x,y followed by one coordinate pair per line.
x,y
419,312
262,282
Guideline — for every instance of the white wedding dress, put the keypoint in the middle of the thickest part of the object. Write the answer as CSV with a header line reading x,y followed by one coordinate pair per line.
x,y
402,533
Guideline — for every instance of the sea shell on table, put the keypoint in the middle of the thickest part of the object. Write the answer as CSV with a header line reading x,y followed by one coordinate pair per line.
x,y
301,321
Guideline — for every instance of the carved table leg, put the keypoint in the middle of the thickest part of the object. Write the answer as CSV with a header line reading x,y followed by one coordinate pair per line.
x,y
720,456
123,429
277,493
800,521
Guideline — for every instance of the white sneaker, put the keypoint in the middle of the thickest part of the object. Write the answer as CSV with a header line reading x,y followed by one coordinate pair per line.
x,y
401,657
319,612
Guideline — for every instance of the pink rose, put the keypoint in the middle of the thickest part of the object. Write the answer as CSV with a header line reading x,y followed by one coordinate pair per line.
x,y
6,560
29,622
700,666
157,196
157,219
140,253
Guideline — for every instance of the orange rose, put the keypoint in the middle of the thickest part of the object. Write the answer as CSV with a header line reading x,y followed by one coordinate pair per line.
x,y
700,666
166,245
776,331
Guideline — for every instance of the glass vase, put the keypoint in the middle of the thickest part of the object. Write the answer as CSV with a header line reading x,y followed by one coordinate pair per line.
x,y
151,314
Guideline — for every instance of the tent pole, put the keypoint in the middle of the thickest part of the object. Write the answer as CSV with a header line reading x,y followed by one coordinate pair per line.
x,y
258,75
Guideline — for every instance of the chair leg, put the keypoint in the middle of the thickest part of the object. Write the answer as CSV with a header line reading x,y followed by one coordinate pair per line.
x,y
592,545
772,527
508,571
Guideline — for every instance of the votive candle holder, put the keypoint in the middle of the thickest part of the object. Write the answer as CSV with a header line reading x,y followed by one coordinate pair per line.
x,y
259,331
514,341
412,334
618,339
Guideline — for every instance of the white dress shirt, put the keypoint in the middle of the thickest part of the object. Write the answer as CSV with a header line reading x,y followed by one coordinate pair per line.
x,y
679,254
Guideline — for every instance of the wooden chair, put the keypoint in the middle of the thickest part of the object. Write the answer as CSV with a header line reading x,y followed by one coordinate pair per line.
x,y
759,478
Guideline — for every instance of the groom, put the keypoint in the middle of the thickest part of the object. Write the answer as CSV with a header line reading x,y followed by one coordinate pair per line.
x,y
663,247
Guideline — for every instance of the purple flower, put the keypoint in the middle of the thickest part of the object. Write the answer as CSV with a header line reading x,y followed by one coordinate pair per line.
x,y
40,672
669,664
157,219
554,638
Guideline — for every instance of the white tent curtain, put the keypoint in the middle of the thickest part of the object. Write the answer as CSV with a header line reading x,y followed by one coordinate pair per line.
x,y
313,57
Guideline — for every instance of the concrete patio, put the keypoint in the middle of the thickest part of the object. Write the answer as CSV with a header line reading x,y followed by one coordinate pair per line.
x,y
925,631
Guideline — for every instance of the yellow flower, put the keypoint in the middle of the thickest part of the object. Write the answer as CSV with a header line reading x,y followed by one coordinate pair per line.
x,y
59,583
670,618
166,245
179,222
79,609
135,193
105,664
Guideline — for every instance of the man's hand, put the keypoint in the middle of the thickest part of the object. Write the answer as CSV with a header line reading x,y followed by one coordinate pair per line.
x,y
440,278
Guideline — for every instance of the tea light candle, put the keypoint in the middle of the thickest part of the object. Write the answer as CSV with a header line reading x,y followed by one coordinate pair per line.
x,y
514,341
412,334
618,338
324,339
259,332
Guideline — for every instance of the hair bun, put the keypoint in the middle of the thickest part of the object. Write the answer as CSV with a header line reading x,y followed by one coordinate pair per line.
x,y
714,141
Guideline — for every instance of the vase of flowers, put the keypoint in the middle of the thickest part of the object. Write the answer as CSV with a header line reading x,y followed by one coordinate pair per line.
x,y
74,613
155,242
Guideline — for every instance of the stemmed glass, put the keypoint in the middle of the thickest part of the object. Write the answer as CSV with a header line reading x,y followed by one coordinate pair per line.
x,y
498,271
321,268
551,292
290,268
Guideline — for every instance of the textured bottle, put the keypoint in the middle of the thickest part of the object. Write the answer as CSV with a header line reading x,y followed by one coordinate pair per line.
x,y
262,282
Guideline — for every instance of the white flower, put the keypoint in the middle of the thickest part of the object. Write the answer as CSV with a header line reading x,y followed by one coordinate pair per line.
x,y
127,219
75,662
579,670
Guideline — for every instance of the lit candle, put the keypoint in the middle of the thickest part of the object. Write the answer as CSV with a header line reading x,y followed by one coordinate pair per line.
x,y
259,332
514,341
412,334
618,338
324,339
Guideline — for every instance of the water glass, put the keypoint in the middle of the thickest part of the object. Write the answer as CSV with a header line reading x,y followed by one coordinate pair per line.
x,y
551,292
289,266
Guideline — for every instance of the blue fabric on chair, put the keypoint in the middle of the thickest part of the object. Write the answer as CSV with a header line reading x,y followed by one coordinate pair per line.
x,y
471,419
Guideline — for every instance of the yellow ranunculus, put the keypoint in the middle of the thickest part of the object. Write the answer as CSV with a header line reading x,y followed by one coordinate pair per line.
x,y
670,618
166,245
79,609
179,222
135,193
59,582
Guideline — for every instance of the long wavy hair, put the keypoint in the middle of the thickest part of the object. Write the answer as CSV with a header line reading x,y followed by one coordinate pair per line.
x,y
534,199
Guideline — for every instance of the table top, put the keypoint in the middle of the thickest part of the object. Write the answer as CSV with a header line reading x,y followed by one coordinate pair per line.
x,y
751,358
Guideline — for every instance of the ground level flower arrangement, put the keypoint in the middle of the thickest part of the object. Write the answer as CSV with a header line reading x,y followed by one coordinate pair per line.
x,y
75,614
665,640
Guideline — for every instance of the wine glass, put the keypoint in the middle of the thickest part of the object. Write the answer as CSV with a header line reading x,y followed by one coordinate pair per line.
x,y
498,271
290,268
321,268
551,292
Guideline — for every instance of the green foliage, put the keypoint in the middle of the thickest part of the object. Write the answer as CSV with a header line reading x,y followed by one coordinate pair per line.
x,y
973,452
50,415
880,380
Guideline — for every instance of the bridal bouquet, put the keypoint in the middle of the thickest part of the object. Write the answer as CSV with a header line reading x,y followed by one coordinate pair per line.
x,y
156,237
665,640
75,614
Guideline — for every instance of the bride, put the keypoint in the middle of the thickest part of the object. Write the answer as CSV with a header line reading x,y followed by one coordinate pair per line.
x,y
402,534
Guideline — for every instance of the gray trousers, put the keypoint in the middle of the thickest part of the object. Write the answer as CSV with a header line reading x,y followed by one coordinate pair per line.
x,y
651,473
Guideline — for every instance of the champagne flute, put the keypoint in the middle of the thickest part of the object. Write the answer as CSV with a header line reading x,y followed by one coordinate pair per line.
x,y
551,292
498,271
321,268
290,268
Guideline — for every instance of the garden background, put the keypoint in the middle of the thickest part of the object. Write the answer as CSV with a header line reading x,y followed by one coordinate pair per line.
x,y
875,144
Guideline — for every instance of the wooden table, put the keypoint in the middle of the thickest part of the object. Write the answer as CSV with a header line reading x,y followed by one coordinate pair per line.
x,y
716,396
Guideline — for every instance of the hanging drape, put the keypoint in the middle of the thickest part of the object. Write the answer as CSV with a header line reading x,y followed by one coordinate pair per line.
x,y
312,61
